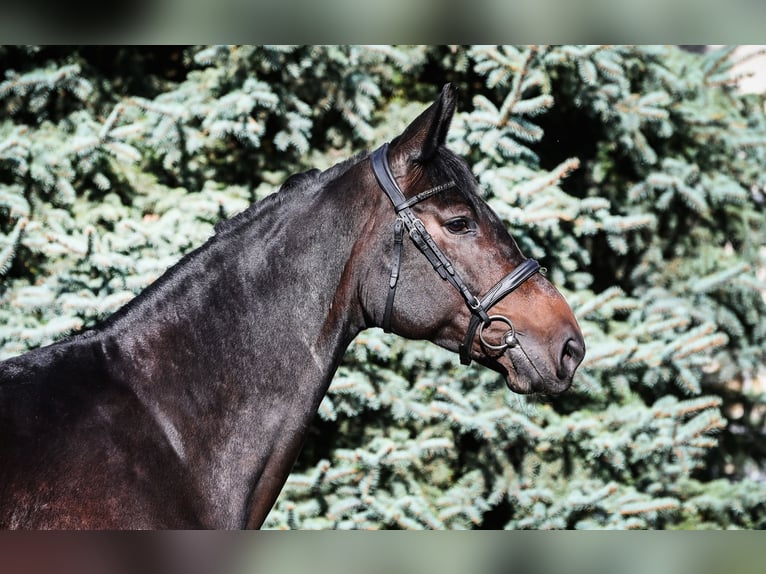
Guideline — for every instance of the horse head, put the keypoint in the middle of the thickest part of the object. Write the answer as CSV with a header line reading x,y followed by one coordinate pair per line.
x,y
465,285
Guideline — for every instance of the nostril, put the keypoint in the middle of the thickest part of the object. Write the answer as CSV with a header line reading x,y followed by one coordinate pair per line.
x,y
572,354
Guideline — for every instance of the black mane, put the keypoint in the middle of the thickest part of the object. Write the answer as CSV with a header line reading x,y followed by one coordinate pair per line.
x,y
307,182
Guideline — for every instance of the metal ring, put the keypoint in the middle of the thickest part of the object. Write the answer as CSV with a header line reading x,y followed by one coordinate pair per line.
x,y
508,340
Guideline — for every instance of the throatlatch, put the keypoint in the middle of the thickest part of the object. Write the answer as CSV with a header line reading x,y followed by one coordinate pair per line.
x,y
406,218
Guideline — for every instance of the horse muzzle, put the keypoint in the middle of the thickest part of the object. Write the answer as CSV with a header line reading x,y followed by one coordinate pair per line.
x,y
526,367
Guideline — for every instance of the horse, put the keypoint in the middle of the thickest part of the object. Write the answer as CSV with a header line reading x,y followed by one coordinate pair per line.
x,y
188,406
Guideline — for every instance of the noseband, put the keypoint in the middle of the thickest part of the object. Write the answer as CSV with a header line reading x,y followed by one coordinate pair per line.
x,y
479,308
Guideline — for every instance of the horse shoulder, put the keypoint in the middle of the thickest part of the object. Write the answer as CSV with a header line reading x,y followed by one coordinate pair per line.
x,y
78,445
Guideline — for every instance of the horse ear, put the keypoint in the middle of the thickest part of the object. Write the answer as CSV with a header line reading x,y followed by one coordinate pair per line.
x,y
420,140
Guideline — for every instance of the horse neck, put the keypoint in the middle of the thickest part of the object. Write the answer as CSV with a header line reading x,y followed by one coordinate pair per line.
x,y
233,349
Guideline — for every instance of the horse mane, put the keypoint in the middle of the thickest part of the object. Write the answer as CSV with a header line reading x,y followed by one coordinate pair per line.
x,y
307,182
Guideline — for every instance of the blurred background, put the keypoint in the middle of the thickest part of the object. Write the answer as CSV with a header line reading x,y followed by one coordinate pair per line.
x,y
381,553
429,21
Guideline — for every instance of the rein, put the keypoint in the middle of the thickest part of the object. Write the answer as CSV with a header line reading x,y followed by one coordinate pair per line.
x,y
479,308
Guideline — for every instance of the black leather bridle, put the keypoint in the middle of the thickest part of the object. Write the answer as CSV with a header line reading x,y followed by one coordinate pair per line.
x,y
406,219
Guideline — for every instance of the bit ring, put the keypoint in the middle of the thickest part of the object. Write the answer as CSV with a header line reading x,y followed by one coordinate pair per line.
x,y
509,339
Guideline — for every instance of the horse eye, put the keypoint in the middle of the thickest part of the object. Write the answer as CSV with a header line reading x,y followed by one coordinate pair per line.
x,y
458,226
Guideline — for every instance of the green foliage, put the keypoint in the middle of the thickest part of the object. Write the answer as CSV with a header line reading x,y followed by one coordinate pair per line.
x,y
634,173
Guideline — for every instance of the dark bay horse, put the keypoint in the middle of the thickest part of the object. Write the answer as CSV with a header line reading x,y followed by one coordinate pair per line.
x,y
188,407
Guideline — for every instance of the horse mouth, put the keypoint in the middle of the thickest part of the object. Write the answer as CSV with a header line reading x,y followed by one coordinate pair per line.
x,y
522,376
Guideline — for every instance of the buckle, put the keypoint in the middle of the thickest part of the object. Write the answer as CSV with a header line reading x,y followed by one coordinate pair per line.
x,y
417,228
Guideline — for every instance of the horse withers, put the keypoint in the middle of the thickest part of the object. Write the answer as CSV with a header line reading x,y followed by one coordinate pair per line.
x,y
188,407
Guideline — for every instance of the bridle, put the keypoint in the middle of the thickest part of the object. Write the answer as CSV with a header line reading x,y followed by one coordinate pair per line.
x,y
406,219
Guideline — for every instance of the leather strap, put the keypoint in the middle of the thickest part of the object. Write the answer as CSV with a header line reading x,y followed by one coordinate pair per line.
x,y
394,278
425,195
440,262
506,285
417,231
